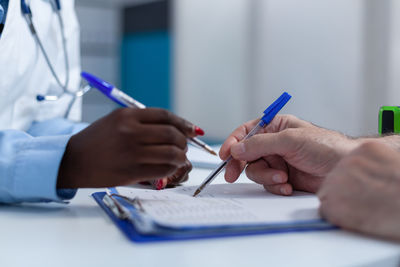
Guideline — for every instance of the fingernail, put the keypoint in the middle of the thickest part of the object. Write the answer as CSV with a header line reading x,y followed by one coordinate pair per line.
x,y
229,180
198,131
284,191
277,179
238,149
160,184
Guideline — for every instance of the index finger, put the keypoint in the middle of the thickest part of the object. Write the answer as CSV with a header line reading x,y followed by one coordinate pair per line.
x,y
235,137
278,124
163,116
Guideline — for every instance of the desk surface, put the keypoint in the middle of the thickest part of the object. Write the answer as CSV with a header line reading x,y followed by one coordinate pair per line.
x,y
80,234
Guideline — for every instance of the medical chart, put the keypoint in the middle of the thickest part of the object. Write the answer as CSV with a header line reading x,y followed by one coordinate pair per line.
x,y
224,204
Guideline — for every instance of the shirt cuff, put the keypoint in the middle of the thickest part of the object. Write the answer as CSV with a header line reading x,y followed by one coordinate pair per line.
x,y
66,194
36,172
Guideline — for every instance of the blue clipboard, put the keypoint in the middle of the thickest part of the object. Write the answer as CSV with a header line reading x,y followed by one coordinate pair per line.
x,y
132,234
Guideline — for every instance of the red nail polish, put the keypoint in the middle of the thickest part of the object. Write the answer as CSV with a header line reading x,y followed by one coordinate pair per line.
x,y
160,184
198,131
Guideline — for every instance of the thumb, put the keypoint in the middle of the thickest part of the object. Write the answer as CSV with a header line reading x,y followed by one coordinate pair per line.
x,y
262,145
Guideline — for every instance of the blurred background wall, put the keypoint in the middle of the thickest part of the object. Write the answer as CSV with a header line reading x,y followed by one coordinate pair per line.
x,y
221,62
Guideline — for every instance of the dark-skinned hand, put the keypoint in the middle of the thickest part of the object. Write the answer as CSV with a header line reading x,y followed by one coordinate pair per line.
x,y
125,147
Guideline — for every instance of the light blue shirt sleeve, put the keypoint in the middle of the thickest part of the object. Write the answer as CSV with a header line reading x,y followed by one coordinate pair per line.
x,y
29,161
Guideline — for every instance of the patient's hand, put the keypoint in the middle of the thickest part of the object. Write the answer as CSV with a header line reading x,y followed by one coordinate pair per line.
x,y
363,192
289,154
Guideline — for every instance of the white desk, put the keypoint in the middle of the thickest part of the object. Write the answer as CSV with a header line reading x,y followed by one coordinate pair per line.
x,y
80,234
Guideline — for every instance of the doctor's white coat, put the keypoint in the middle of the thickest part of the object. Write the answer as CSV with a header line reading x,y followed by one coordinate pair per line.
x,y
23,71
33,135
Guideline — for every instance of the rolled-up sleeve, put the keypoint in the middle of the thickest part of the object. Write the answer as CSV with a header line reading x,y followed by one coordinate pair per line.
x,y
29,162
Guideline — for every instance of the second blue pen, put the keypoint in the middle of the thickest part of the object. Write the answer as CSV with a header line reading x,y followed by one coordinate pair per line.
x,y
126,101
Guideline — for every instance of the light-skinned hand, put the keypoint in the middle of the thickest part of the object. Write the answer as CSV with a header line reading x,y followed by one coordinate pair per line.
x,y
362,193
289,154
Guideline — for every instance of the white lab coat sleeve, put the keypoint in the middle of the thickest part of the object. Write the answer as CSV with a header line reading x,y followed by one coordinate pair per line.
x,y
29,162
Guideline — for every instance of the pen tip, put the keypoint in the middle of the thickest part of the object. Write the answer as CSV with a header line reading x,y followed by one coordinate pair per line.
x,y
210,150
196,193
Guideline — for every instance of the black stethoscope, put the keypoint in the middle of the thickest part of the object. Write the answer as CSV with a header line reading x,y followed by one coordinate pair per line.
x,y
27,13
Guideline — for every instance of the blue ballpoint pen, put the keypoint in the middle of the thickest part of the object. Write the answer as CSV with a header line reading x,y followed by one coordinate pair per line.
x,y
269,114
126,101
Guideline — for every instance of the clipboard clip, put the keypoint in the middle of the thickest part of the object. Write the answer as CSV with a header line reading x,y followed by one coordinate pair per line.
x,y
138,217
133,201
117,208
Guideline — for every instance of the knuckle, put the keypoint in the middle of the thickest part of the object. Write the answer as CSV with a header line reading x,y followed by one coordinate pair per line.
x,y
289,134
122,114
254,140
352,162
169,134
173,136
290,117
175,155
129,132
369,146
122,119
181,141
165,115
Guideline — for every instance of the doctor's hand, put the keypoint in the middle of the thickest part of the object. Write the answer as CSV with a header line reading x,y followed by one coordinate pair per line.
x,y
362,193
126,147
289,154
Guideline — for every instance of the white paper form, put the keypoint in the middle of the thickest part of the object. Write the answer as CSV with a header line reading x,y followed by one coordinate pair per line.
x,y
201,159
225,204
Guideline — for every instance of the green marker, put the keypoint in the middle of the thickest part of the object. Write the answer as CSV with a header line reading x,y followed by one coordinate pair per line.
x,y
389,119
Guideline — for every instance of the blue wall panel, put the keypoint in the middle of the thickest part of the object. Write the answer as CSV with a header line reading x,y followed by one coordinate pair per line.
x,y
146,67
